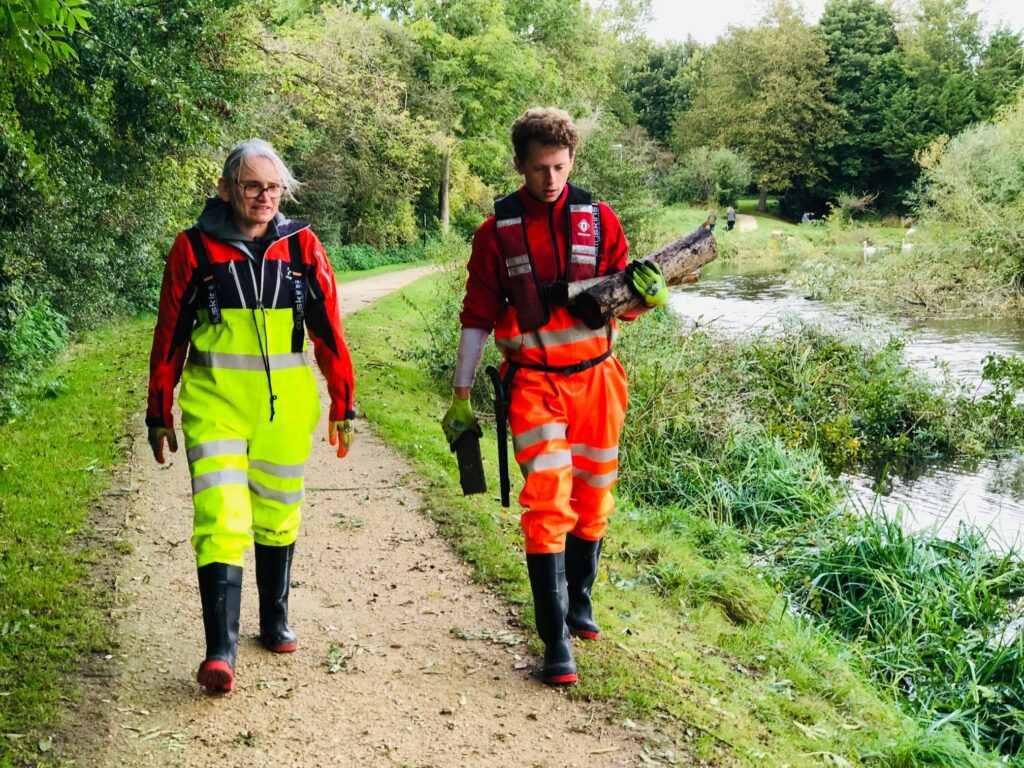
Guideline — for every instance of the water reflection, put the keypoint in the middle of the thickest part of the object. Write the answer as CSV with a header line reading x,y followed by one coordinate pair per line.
x,y
989,493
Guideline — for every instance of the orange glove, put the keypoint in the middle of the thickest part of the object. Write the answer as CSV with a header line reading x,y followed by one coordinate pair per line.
x,y
342,434
156,442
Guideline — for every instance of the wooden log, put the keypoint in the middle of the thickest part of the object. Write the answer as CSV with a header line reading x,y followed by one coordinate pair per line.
x,y
596,301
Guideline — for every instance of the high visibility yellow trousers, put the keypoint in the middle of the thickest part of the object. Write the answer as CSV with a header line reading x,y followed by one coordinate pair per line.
x,y
247,471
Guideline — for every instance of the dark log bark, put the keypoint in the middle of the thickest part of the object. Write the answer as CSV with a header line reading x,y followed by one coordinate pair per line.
x,y
595,301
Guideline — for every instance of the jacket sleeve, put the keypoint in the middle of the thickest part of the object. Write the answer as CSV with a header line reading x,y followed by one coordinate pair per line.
x,y
484,297
323,320
174,320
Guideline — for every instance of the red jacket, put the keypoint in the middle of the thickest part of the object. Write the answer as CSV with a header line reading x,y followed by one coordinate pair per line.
x,y
549,246
237,288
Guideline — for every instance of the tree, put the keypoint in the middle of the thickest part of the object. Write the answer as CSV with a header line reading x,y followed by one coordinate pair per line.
x,y
657,80
1000,73
867,65
708,176
766,94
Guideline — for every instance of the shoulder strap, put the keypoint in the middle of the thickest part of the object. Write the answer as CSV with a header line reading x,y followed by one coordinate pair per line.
x,y
298,283
509,207
207,284
199,251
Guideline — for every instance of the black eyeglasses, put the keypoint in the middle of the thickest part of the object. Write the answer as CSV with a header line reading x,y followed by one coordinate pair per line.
x,y
253,189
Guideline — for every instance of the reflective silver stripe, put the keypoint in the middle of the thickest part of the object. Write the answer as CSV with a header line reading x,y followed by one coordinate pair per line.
x,y
519,270
594,454
510,222
578,259
278,470
219,477
515,261
539,434
541,339
284,497
590,249
581,208
553,460
512,343
238,362
216,448
595,480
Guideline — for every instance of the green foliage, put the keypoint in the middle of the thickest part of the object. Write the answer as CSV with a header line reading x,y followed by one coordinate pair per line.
x,y
55,461
361,256
36,335
976,182
766,94
35,34
100,163
934,618
707,176
617,165
340,113
867,65
658,78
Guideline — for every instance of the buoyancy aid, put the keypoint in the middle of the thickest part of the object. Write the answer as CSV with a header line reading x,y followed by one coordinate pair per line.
x,y
519,276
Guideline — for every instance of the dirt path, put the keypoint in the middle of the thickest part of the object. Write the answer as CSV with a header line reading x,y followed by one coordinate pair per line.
x,y
384,674
745,222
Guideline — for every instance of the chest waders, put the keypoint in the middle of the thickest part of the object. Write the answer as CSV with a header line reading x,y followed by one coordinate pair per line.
x,y
249,405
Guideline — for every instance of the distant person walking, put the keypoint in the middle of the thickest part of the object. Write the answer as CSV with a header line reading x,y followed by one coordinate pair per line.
x,y
710,222
730,218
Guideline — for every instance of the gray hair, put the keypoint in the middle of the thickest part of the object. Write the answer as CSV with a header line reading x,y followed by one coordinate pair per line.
x,y
259,148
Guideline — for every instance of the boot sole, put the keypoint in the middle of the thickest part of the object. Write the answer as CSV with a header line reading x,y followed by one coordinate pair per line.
x,y
281,647
584,634
216,676
561,679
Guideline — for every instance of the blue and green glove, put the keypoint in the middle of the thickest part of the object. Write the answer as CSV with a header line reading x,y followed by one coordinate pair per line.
x,y
458,420
648,282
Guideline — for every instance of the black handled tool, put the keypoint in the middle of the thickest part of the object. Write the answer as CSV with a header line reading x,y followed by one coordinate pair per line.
x,y
501,417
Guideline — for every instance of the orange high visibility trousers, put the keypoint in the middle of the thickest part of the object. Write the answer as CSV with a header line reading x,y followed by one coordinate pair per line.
x,y
565,430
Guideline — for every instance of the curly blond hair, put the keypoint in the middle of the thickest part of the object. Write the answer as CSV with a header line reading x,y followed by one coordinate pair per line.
x,y
549,126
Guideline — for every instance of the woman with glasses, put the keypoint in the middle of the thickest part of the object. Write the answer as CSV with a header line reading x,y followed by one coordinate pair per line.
x,y
240,290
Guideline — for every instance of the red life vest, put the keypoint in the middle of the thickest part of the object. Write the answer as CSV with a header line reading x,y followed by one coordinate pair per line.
x,y
519,277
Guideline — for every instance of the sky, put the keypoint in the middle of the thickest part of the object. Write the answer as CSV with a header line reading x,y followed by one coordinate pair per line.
x,y
675,19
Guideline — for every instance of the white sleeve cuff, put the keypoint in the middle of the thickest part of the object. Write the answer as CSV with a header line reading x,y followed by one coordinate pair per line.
x,y
471,349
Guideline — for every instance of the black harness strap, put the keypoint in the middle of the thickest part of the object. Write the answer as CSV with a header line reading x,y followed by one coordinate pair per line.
x,y
297,279
205,273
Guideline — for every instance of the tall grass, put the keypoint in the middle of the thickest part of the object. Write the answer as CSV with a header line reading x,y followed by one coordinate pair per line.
x,y
937,620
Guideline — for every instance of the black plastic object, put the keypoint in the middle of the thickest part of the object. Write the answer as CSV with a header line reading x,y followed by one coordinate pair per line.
x,y
471,466
501,423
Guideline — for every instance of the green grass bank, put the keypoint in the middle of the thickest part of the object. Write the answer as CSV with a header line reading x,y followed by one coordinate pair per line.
x,y
697,637
56,540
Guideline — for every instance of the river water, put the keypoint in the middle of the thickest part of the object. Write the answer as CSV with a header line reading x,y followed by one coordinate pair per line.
x,y
989,493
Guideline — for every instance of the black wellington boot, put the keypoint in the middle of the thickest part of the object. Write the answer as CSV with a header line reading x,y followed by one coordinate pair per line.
x,y
273,577
550,601
581,558
220,589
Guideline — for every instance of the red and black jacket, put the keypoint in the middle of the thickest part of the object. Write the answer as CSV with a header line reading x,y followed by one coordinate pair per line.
x,y
241,275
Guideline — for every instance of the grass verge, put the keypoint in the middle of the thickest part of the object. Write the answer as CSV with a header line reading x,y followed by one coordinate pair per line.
x,y
55,462
694,636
